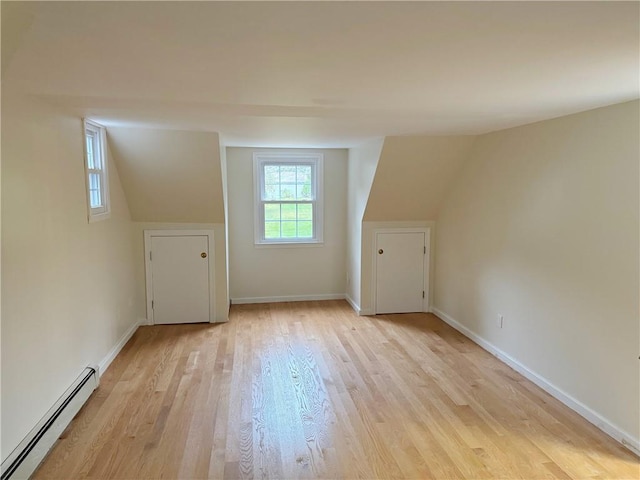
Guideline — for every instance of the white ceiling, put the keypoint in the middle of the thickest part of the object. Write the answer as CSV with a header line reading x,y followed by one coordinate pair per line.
x,y
330,74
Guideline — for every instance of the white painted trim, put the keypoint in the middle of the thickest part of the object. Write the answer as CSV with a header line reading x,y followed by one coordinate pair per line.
x,y
353,304
180,233
105,212
426,265
289,245
316,160
288,298
113,353
627,440
399,224
360,311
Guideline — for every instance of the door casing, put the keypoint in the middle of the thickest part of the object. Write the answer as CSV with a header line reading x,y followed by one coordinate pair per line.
x,y
148,234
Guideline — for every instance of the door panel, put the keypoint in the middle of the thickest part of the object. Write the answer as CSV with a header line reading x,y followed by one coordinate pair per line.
x,y
399,272
180,279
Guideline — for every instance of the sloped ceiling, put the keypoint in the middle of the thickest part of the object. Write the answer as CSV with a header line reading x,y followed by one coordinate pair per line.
x,y
413,176
323,74
168,175
17,18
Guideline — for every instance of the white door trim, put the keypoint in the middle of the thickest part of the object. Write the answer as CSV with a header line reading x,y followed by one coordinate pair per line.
x,y
374,262
148,234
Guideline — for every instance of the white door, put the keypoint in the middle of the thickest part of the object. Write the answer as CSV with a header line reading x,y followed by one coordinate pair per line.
x,y
180,279
400,272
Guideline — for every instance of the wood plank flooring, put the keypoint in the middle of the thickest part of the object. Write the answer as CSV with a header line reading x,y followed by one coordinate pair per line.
x,y
310,390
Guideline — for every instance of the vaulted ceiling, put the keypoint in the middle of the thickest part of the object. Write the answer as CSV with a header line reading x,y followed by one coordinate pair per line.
x,y
329,74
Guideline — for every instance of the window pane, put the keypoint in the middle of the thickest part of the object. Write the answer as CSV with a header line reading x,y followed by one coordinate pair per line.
x,y
304,192
95,199
287,173
272,211
305,211
305,229
271,174
287,182
289,211
271,192
304,174
287,192
271,229
97,158
94,181
289,229
90,151
94,159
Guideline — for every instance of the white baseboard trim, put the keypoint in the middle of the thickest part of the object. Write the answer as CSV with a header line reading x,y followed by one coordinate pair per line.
x,y
288,298
353,304
627,440
360,311
113,353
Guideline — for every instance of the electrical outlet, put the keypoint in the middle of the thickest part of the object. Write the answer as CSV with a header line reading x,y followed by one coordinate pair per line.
x,y
500,321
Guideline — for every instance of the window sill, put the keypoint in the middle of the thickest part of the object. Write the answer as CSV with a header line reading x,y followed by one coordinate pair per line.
x,y
97,217
310,244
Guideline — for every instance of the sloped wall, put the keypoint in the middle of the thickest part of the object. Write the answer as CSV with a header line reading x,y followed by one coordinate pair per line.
x,y
170,175
413,175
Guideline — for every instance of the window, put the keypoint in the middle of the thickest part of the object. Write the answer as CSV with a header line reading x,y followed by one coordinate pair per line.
x,y
96,178
288,198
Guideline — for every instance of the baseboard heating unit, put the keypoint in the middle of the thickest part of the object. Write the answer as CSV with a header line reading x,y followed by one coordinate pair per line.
x,y
24,460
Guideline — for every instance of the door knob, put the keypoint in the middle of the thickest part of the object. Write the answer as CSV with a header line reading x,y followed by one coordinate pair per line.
x,y
203,255
380,251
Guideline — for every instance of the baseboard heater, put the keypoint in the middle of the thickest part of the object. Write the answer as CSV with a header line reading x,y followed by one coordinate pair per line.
x,y
26,457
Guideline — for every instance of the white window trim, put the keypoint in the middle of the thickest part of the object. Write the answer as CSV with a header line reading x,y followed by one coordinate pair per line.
x,y
104,212
260,159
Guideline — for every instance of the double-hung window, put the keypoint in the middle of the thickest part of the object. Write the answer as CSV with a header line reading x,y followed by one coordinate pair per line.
x,y
96,178
288,198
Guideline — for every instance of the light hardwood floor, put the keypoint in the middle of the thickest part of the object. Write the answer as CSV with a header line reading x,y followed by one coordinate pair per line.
x,y
310,390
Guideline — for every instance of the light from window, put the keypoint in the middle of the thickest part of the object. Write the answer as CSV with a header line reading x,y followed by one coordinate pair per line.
x,y
96,171
288,198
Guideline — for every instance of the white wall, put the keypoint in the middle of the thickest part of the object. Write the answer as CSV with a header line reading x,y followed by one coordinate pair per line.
x,y
259,272
542,227
68,287
363,161
225,198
